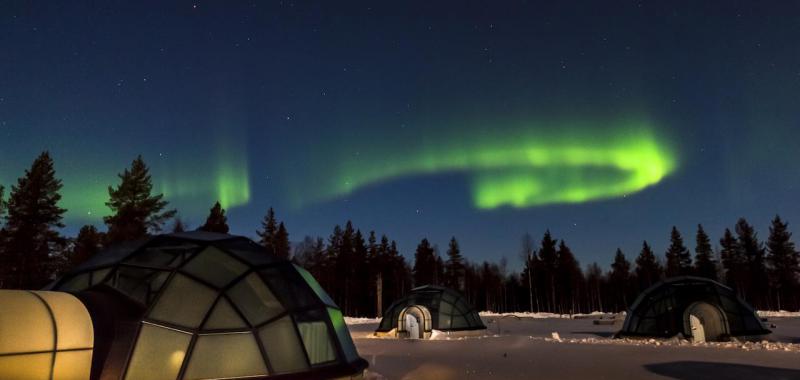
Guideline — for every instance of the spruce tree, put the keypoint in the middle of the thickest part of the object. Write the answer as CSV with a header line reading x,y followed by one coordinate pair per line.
x,y
784,266
269,228
648,270
31,233
282,245
568,279
756,270
595,281
136,211
530,271
548,256
679,260
454,265
424,264
2,202
704,263
88,242
362,304
178,225
619,280
733,262
216,221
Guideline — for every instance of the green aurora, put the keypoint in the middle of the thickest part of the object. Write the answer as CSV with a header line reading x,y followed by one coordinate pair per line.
x,y
191,185
526,167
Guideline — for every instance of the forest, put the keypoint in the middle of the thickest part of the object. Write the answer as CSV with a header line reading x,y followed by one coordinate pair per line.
x,y
365,272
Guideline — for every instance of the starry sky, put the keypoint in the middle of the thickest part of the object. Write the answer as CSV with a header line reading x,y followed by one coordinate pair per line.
x,y
606,123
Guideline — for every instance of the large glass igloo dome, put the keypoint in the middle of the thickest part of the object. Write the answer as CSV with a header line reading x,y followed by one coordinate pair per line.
x,y
202,305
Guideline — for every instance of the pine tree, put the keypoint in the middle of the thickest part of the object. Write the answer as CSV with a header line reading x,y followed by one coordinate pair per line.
x,y
530,272
757,280
31,226
734,262
88,242
2,202
454,266
548,256
568,279
216,221
648,270
424,264
619,280
679,260
362,303
595,281
136,212
178,225
269,228
704,263
784,266
281,244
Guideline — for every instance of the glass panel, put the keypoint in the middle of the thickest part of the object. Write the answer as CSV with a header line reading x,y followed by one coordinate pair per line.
x,y
33,326
255,300
283,347
321,293
184,302
224,317
73,365
444,321
76,284
459,322
225,356
28,367
345,340
138,283
446,308
290,287
248,251
316,338
73,323
158,354
100,275
154,257
215,266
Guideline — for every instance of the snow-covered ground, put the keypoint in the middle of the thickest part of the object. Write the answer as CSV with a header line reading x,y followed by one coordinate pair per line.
x,y
779,314
594,314
525,348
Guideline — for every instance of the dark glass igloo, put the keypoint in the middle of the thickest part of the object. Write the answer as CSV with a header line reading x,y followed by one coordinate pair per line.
x,y
201,305
441,309
663,310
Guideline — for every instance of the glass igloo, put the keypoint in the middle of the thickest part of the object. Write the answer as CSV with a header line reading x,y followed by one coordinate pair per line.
x,y
431,308
698,308
201,305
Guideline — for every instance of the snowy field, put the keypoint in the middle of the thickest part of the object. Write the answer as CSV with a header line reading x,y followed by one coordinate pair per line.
x,y
525,348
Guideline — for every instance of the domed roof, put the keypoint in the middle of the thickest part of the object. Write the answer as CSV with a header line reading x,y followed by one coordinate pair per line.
x,y
659,310
206,305
449,310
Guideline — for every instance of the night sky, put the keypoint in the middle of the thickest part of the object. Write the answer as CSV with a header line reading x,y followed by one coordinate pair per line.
x,y
606,124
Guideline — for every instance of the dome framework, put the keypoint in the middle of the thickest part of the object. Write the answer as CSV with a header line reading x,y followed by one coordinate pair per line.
x,y
202,305
436,308
699,308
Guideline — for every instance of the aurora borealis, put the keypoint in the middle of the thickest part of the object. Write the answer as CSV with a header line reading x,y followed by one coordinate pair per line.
x,y
523,168
605,123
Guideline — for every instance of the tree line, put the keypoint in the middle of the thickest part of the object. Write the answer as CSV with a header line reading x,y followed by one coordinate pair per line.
x,y
364,273
33,251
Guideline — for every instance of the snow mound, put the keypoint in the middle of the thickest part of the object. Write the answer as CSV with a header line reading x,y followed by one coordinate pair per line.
x,y
360,321
675,341
778,314
542,315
